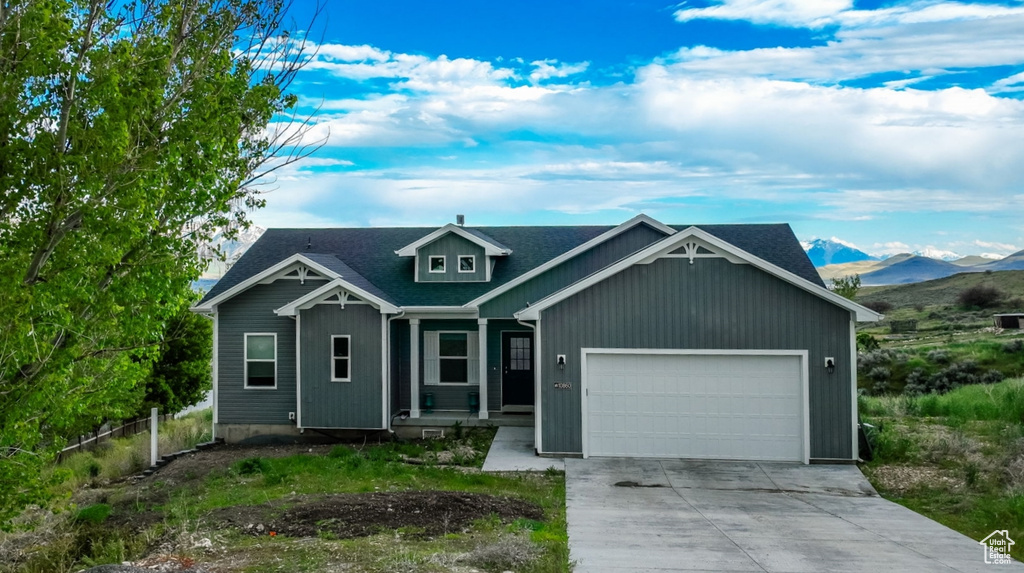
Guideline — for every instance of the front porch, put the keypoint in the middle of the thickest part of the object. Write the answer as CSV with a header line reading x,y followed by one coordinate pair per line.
x,y
466,419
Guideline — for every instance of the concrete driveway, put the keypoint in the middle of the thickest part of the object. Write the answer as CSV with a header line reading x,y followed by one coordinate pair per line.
x,y
676,515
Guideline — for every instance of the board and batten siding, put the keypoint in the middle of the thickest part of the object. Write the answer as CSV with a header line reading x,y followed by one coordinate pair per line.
x,y
711,304
400,365
355,404
451,246
494,365
252,311
572,270
448,396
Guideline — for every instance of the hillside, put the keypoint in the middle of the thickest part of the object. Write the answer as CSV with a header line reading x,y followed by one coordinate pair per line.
x,y
912,270
945,290
1014,262
971,261
860,267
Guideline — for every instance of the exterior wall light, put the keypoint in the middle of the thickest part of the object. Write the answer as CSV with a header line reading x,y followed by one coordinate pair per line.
x,y
830,365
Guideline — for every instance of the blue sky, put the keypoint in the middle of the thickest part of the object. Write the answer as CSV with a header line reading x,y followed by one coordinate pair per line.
x,y
893,126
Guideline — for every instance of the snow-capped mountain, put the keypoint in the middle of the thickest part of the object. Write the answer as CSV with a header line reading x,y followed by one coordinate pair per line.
x,y
834,251
232,249
938,254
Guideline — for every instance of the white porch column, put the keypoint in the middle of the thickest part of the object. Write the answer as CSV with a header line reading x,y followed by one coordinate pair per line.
x,y
414,368
482,327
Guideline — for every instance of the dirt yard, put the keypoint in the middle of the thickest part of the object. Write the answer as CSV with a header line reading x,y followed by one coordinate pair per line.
x,y
377,507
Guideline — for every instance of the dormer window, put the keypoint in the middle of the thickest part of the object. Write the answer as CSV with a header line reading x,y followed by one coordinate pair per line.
x,y
472,255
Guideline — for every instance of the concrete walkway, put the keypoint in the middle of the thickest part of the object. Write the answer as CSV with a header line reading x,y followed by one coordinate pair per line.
x,y
672,515
512,451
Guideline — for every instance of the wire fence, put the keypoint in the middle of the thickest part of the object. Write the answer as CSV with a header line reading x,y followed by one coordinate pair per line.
x,y
92,440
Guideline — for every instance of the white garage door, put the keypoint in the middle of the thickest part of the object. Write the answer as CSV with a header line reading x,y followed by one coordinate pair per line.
x,y
714,406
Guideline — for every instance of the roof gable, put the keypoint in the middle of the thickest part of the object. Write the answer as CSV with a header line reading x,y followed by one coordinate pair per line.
x,y
366,256
491,247
688,243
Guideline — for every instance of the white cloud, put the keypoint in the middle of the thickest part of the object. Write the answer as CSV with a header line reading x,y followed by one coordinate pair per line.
x,y
820,13
345,53
1014,83
811,13
995,245
546,69
927,48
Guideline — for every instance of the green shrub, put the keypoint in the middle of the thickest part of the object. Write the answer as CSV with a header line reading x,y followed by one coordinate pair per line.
x,y
890,444
97,514
866,342
880,306
1013,346
979,296
252,466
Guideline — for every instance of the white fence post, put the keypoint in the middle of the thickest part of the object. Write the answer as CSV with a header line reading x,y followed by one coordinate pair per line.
x,y
152,437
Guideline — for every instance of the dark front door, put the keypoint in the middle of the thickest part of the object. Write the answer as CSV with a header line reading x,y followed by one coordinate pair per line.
x,y
517,369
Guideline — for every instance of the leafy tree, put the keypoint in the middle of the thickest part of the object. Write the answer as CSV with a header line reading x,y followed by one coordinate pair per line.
x,y
846,287
181,375
129,133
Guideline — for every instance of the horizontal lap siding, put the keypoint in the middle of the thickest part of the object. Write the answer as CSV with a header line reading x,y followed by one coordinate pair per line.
x,y
711,304
576,268
253,311
354,404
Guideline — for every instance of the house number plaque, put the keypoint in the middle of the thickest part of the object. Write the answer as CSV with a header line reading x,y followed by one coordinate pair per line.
x,y
563,386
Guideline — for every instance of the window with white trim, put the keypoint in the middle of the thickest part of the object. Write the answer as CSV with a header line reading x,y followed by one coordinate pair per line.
x,y
451,357
467,263
341,358
260,360
436,263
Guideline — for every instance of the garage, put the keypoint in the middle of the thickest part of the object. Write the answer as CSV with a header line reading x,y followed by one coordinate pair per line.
x,y
724,404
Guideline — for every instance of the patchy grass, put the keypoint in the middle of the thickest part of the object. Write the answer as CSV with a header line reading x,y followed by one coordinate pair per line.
x,y
177,515
957,458
982,352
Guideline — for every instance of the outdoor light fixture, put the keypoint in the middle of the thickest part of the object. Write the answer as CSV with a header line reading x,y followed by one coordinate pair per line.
x,y
561,361
830,365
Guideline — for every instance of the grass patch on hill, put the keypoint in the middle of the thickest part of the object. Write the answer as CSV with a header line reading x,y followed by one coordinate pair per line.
x,y
957,458
944,291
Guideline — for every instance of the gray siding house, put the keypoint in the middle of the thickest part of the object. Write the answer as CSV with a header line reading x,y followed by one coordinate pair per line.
x,y
639,340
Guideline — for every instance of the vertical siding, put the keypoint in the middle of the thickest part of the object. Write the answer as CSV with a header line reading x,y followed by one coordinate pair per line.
x,y
570,271
449,397
494,366
451,246
354,404
712,304
399,365
253,311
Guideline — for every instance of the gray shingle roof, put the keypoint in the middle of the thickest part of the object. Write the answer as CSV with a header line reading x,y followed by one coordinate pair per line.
x,y
369,254
332,262
483,237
